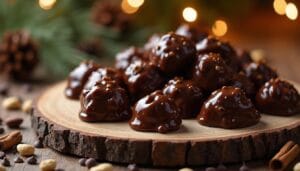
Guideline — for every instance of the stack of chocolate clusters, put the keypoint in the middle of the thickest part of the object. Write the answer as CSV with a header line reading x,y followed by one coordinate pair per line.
x,y
182,75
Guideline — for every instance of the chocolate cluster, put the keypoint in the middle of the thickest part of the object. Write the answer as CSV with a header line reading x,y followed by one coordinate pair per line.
x,y
188,74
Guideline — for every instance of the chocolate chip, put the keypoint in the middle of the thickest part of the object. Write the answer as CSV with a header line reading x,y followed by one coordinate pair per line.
x,y
5,162
2,154
4,89
39,143
32,160
14,122
133,167
90,162
82,161
244,167
210,169
18,160
2,130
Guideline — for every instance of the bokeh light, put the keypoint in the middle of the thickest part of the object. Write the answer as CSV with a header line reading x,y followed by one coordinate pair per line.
x,y
291,11
189,14
128,8
135,3
279,6
47,4
219,28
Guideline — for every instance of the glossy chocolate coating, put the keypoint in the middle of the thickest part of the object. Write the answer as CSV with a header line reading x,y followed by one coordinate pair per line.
x,y
156,113
278,97
173,53
241,81
78,78
105,101
101,73
152,41
193,32
142,79
259,73
226,51
211,72
187,96
128,56
228,108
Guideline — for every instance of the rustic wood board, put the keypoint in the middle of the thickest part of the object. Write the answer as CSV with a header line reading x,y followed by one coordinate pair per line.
x,y
56,121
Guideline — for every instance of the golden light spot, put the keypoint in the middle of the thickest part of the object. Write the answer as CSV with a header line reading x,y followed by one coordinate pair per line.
x,y
189,14
219,28
291,11
135,3
279,6
47,4
128,8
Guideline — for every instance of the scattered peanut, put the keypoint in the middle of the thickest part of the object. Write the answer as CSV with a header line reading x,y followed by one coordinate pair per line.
x,y
2,168
186,169
27,106
102,167
48,165
297,167
12,103
25,149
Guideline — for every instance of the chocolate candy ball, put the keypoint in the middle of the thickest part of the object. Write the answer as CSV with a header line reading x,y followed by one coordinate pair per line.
x,y
241,81
278,97
105,101
226,51
187,96
156,113
78,78
211,72
193,32
228,108
259,73
101,73
173,53
142,79
244,57
128,56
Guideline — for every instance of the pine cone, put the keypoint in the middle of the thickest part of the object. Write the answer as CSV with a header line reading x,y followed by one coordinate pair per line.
x,y
91,47
18,55
110,14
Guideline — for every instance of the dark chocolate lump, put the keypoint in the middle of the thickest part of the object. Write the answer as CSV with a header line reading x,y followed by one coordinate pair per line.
x,y
228,108
105,101
173,53
155,113
278,97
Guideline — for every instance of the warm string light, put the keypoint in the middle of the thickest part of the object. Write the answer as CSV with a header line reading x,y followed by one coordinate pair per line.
x,y
189,14
291,11
47,4
131,6
219,28
279,6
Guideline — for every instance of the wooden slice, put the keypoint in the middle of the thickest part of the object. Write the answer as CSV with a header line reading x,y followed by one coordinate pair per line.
x,y
56,122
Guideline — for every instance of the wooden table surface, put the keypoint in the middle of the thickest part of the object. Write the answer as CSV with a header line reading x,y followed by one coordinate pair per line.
x,y
283,54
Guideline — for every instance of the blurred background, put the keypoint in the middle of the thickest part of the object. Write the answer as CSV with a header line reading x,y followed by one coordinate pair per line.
x,y
47,38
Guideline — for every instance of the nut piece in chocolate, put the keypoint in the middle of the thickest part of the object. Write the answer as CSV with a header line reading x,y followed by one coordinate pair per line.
x,y
187,96
105,101
228,108
173,53
210,72
78,77
277,97
155,113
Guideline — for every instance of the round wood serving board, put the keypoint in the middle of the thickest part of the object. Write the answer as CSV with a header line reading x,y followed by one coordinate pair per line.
x,y
56,121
